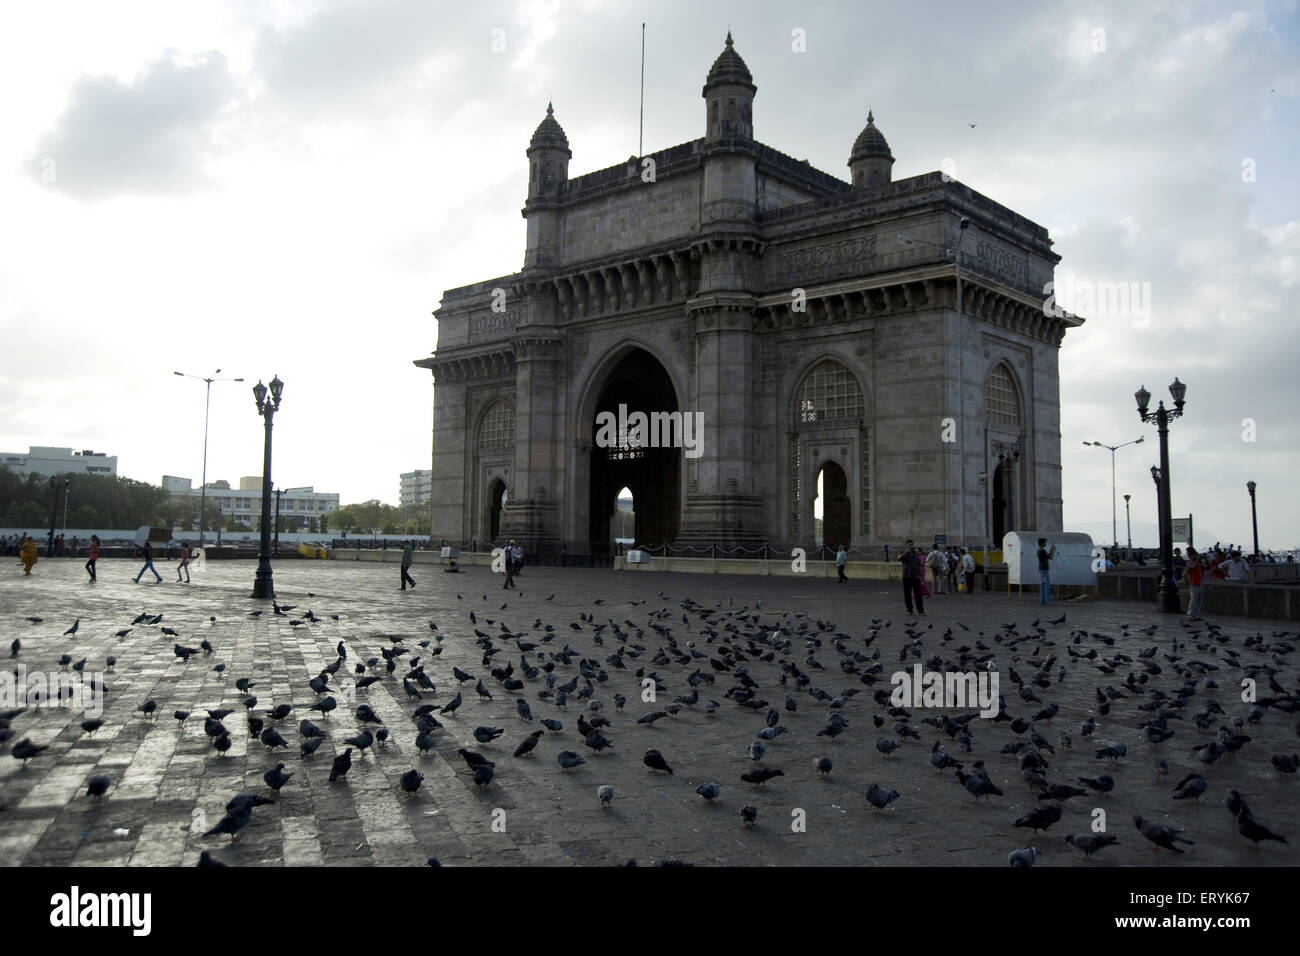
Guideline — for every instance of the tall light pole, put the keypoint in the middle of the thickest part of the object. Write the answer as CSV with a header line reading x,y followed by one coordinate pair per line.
x,y
955,252
1113,448
1254,525
263,587
1128,522
207,402
1162,417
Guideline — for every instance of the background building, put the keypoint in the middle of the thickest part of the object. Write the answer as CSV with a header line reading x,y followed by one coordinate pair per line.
x,y
244,504
417,488
49,461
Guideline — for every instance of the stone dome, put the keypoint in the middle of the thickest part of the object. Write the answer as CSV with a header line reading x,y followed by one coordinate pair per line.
x,y
729,68
870,143
549,134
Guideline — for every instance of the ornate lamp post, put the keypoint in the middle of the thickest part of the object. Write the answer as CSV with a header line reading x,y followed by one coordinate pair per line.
x,y
1128,522
1114,530
1162,417
1254,525
262,584
207,403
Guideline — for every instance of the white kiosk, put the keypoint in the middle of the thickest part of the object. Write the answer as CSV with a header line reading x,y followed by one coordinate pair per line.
x,y
1072,566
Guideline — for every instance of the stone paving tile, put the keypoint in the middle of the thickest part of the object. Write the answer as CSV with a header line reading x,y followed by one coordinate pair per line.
x,y
167,778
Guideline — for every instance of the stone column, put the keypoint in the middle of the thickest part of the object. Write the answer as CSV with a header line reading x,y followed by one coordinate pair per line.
x,y
533,515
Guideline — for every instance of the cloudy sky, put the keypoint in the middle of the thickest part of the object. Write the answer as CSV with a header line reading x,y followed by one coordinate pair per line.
x,y
271,187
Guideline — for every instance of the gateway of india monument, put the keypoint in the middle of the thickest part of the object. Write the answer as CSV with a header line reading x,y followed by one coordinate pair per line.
x,y
887,337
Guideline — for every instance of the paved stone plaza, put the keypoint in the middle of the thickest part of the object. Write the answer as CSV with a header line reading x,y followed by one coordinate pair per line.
x,y
167,779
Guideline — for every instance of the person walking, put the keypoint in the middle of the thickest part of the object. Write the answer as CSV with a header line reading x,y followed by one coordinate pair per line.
x,y
27,554
510,564
968,570
518,552
92,555
406,565
148,563
185,563
913,577
1195,583
841,559
938,566
1045,570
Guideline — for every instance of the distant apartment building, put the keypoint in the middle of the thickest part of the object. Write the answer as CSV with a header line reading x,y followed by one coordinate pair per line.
x,y
417,488
244,504
48,461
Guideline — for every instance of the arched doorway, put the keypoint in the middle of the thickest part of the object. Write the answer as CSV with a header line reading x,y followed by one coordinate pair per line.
x,y
497,497
638,383
623,519
836,508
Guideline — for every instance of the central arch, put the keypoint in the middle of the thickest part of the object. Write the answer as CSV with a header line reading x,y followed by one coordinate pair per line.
x,y
637,383
837,509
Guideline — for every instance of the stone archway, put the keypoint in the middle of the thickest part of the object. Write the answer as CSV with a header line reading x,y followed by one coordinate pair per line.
x,y
837,507
496,507
637,383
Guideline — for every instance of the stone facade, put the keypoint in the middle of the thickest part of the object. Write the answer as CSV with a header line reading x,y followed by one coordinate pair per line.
x,y
888,334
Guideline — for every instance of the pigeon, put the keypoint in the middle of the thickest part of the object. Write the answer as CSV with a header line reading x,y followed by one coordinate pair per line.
x,y
757,750
424,742
98,785
148,708
15,647
1039,819
324,706
361,741
1114,751
761,775
276,777
366,715
483,692
90,726
207,860
473,760
1090,843
748,816
1160,835
308,729
1191,786
1023,857
709,791
823,765
311,745
342,764
1284,764
255,725
880,797
451,705
486,735
940,760
222,743
528,744
1101,784
522,707
272,739
73,630
181,715
886,746
483,775
650,718
282,711
232,822
567,759
1254,831
411,781
25,750
605,794
655,761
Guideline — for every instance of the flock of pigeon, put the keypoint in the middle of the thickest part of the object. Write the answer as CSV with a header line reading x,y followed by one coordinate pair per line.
x,y
686,662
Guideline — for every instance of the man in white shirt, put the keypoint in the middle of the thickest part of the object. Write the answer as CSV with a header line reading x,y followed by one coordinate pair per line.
x,y
1237,567
938,566
968,570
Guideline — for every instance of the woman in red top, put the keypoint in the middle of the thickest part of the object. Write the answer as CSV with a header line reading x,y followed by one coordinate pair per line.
x,y
1195,579
93,554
